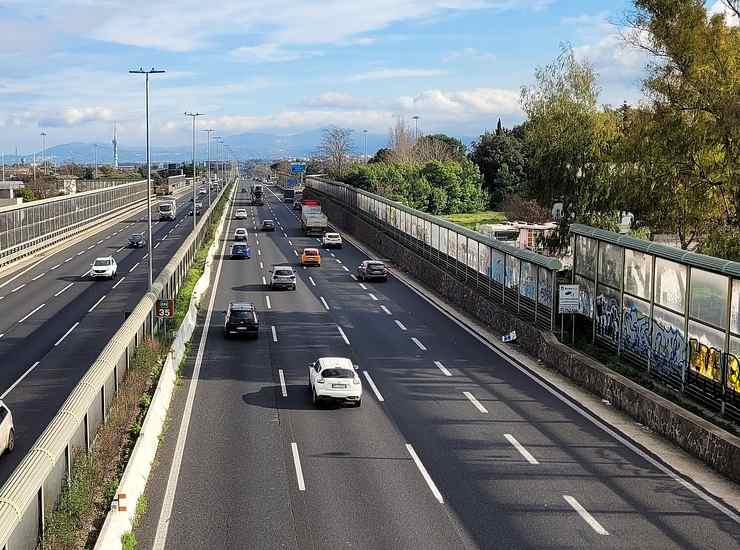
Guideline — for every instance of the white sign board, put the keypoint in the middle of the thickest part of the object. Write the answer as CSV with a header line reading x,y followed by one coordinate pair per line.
x,y
569,299
507,338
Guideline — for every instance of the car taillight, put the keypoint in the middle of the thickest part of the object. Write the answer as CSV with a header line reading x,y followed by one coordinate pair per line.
x,y
356,381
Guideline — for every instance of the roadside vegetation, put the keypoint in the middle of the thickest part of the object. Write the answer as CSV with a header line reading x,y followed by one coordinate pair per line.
x,y
96,474
474,219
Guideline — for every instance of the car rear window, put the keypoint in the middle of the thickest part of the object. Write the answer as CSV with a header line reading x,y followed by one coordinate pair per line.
x,y
311,252
137,236
337,373
238,248
375,265
240,315
283,272
332,235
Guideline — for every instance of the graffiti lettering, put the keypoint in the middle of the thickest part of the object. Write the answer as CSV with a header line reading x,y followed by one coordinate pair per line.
x,y
733,373
636,332
669,350
705,360
607,317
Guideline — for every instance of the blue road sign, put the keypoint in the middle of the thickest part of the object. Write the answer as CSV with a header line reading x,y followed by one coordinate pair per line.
x,y
292,182
297,167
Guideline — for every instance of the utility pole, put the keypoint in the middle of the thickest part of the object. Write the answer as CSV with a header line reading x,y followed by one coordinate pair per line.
x,y
364,155
209,131
416,127
195,118
148,173
43,151
95,146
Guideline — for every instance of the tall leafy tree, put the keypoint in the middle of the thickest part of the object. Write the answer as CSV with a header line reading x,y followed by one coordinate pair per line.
x,y
501,159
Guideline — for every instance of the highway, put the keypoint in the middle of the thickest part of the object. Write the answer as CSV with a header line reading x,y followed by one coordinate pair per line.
x,y
55,321
453,447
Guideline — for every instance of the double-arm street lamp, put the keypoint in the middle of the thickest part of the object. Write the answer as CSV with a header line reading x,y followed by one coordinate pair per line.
x,y
209,131
148,172
195,118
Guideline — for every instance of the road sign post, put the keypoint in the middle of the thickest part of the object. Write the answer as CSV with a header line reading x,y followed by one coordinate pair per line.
x,y
569,301
165,310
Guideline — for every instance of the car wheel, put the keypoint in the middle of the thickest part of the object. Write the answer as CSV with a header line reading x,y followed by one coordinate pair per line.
x,y
11,441
358,403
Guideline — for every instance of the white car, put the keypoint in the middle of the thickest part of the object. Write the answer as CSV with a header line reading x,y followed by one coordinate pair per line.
x,y
240,234
7,430
332,240
282,276
335,379
241,214
104,267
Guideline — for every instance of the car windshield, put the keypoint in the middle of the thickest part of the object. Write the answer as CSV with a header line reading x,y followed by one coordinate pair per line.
x,y
165,206
136,236
332,236
337,373
283,272
101,263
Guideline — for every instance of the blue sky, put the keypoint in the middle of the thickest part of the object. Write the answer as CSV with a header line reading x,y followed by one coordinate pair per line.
x,y
283,66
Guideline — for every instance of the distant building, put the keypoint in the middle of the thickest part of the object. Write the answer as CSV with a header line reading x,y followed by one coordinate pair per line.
x,y
67,185
519,234
8,192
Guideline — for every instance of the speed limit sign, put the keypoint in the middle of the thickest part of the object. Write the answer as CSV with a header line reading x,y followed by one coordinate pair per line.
x,y
165,309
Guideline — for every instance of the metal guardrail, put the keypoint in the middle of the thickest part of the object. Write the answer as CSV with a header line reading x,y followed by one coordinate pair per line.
x,y
32,490
522,281
673,312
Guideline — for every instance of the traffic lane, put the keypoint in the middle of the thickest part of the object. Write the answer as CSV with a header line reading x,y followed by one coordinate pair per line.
x,y
355,463
596,458
62,353
231,464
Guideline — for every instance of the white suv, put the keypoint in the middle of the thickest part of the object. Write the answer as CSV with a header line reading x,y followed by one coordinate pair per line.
x,y
240,234
103,268
241,214
282,276
332,240
7,430
334,378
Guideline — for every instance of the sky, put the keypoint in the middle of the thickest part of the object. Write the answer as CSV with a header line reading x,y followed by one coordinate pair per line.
x,y
285,66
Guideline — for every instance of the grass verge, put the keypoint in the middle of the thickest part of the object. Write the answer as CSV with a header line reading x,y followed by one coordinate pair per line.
x,y
95,475
472,219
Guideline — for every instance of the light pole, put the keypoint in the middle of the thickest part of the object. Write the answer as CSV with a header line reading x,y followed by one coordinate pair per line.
x,y
43,151
148,173
364,155
219,154
208,131
416,127
95,146
195,118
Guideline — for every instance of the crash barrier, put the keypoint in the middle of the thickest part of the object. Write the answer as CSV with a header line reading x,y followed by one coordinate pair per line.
x,y
32,490
520,280
674,313
122,513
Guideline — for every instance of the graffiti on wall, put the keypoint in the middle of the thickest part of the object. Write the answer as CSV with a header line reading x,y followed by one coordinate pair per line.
x,y
636,332
607,317
669,350
705,360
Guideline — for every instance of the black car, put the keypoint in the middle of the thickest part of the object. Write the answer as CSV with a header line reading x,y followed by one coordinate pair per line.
x,y
296,205
268,225
241,319
137,240
372,269
240,252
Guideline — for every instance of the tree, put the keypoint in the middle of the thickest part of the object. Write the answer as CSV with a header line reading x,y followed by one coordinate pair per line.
x,y
382,155
500,157
525,210
335,148
439,147
26,193
569,139
499,128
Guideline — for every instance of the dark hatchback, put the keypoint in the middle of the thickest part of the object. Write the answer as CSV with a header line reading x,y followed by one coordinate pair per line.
x,y
240,252
241,319
372,269
268,225
137,240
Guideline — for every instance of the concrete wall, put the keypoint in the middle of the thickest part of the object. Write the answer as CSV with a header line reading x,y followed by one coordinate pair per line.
x,y
716,447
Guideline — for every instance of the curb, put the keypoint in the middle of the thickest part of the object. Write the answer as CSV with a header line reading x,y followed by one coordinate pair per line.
x,y
120,517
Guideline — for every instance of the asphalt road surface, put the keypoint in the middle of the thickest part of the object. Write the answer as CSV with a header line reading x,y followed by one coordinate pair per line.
x,y
453,447
55,321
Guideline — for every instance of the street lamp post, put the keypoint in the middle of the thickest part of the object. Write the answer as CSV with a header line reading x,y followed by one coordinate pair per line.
x,y
43,151
416,127
195,118
364,155
95,146
148,172
219,154
209,131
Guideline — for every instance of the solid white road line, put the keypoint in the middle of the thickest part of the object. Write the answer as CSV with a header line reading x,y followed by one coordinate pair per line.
x,y
55,267
344,336
37,277
264,281
274,334
373,297
430,483
11,388
400,324
283,389
386,310
64,289
135,266
66,334
324,302
16,289
119,281
269,305
363,287
298,469
475,402
166,512
588,518
354,276
522,451
421,346
373,386
34,311
345,268
441,367
311,280
96,304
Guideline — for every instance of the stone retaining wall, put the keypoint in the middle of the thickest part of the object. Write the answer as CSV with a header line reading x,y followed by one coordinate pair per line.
x,y
716,447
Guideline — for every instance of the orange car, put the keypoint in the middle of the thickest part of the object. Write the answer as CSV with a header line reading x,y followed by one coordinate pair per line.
x,y
310,256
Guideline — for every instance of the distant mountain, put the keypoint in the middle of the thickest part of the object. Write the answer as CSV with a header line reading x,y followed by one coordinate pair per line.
x,y
247,146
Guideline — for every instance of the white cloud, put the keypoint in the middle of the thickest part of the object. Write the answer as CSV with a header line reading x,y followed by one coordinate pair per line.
x,y
465,103
269,53
335,100
384,74
77,116
468,53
